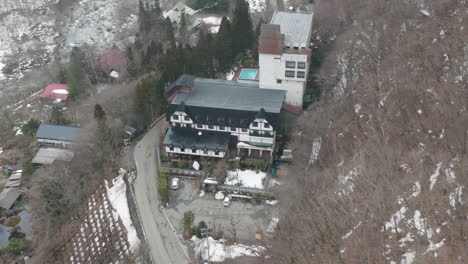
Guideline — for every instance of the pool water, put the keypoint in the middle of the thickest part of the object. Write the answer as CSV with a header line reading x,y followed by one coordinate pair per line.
x,y
248,74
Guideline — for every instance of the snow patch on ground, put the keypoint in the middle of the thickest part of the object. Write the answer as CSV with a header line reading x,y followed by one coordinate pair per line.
x,y
272,225
455,195
246,178
118,198
433,178
357,108
315,151
215,250
408,257
346,182
351,231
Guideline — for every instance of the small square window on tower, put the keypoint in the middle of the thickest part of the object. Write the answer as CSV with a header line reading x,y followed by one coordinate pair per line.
x,y
301,65
289,74
300,74
290,64
278,81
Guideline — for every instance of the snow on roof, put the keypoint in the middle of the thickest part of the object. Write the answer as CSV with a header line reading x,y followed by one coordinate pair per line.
x,y
296,27
56,91
112,60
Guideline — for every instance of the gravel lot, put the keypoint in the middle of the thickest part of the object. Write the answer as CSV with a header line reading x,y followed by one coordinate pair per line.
x,y
251,217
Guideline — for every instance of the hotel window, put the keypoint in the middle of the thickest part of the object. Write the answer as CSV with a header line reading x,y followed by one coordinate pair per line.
x,y
290,64
244,130
300,74
266,125
289,74
216,152
175,117
205,151
171,148
278,81
301,65
186,118
222,128
210,127
182,149
233,129
194,151
200,126
255,124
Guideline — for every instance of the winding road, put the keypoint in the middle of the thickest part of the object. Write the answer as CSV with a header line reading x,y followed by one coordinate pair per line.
x,y
164,244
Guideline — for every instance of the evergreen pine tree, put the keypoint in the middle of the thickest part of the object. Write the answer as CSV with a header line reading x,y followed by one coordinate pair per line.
x,y
142,18
183,29
242,32
57,116
99,114
169,30
257,36
75,74
224,45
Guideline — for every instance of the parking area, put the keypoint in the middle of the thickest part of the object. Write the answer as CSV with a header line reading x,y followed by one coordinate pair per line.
x,y
246,217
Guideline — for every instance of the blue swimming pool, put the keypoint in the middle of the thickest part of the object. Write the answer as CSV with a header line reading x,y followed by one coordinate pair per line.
x,y
248,74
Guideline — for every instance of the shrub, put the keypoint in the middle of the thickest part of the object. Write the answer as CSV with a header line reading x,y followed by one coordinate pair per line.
x,y
16,245
28,168
163,186
30,128
196,231
202,225
189,218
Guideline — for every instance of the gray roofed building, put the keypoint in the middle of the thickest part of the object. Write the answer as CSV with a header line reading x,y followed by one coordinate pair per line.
x,y
296,27
191,139
232,95
47,156
8,197
57,132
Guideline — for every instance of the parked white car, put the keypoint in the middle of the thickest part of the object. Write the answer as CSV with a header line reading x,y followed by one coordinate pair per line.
x,y
227,200
175,183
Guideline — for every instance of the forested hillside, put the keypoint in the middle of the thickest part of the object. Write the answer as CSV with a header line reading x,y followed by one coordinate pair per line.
x,y
380,170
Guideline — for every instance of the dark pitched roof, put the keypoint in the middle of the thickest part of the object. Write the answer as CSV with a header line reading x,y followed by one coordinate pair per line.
x,y
261,114
57,132
184,80
228,103
181,107
232,95
223,117
189,138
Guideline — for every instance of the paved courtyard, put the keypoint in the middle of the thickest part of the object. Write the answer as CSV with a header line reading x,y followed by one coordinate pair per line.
x,y
250,217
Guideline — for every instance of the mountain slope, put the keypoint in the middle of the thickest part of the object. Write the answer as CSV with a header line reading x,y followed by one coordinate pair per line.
x,y
387,185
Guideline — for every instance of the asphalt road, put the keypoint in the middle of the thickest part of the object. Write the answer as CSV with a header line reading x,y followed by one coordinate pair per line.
x,y
163,242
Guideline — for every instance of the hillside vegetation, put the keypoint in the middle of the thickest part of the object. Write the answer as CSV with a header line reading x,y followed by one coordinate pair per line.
x,y
380,170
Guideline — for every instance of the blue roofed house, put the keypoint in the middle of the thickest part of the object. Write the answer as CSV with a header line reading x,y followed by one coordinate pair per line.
x,y
57,135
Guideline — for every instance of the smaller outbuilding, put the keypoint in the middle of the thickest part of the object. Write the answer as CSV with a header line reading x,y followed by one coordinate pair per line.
x,y
56,91
47,156
57,135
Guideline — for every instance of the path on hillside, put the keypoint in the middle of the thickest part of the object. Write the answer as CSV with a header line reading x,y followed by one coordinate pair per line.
x,y
163,242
